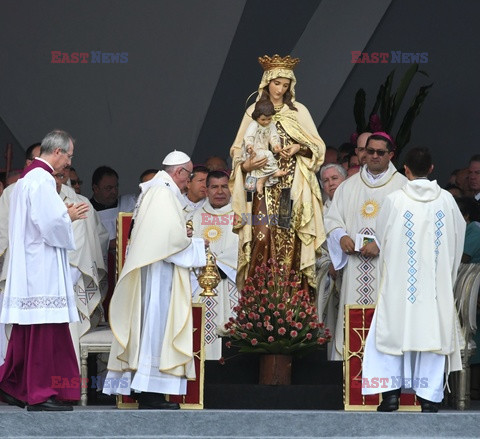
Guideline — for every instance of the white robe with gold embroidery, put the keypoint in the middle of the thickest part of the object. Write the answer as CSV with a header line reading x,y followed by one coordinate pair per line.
x,y
354,209
216,226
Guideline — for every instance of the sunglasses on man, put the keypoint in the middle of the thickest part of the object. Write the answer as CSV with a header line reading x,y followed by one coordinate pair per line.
x,y
379,152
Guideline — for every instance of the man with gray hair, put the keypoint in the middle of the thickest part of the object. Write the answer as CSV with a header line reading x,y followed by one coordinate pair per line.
x,y
39,299
329,279
331,175
150,311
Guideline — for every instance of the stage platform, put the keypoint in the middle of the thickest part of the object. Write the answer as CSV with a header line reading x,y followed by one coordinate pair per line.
x,y
109,422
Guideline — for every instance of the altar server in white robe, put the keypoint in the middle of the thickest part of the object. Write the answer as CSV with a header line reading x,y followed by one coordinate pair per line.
x,y
87,265
354,210
214,222
150,311
38,298
414,335
329,280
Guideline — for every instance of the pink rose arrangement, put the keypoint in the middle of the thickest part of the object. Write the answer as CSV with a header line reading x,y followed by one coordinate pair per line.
x,y
275,316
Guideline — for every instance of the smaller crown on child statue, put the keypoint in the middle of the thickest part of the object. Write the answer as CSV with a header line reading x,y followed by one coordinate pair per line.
x,y
276,61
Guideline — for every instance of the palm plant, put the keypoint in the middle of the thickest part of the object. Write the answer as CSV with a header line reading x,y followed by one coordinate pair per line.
x,y
387,106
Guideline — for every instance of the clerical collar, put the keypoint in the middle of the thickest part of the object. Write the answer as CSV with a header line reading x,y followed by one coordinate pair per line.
x,y
37,163
44,161
477,196
99,206
374,177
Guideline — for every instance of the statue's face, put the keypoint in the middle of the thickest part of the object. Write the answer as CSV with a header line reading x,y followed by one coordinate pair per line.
x,y
277,88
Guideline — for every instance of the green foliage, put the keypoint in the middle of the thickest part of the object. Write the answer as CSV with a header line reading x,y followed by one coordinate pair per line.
x,y
387,107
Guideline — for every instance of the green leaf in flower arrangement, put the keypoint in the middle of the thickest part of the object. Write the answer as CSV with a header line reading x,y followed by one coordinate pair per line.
x,y
359,111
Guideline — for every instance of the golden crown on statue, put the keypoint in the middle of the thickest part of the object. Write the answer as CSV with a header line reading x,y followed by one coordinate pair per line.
x,y
277,62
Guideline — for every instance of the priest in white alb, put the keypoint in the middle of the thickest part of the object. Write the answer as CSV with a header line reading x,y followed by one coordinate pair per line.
x,y
414,337
213,221
329,280
87,264
38,299
151,312
354,210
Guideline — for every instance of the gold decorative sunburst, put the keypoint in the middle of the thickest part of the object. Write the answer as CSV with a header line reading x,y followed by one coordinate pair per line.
x,y
370,209
212,233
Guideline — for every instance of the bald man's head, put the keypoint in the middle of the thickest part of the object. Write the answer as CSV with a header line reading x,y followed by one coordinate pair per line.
x,y
360,149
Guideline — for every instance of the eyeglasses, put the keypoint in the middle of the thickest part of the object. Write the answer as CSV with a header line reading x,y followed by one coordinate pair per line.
x,y
188,171
379,152
75,182
70,156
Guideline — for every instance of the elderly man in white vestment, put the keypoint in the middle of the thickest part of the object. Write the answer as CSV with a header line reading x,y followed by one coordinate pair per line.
x,y
329,280
214,223
87,264
414,337
354,210
150,311
38,299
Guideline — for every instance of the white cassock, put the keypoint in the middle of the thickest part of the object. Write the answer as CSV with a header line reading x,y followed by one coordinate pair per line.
x,y
216,226
328,290
87,266
415,326
150,311
38,286
354,209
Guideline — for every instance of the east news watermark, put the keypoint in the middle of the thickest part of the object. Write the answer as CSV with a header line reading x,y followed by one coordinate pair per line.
x,y
93,57
392,57
94,382
393,382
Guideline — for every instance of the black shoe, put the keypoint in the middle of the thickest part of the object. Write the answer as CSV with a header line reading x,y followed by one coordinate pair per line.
x,y
428,406
11,400
50,405
155,401
390,401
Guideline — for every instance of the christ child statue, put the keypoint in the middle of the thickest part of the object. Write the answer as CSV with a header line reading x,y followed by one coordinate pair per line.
x,y
259,135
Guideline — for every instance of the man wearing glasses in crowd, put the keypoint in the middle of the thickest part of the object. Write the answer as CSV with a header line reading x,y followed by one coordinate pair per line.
x,y
354,211
75,181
